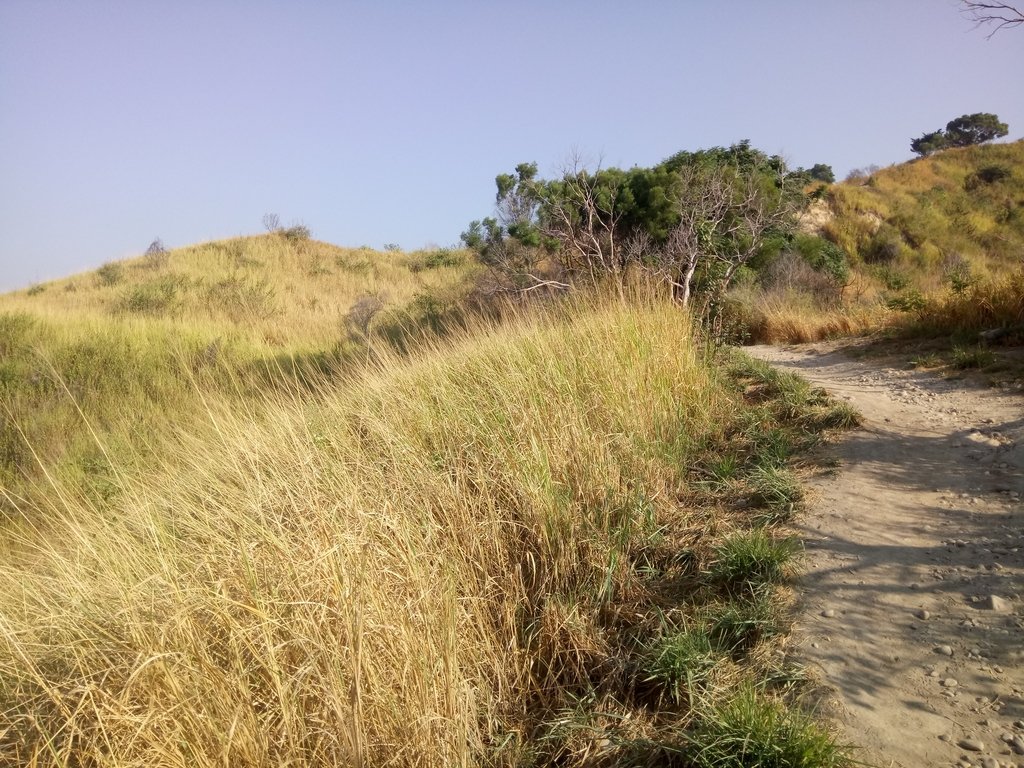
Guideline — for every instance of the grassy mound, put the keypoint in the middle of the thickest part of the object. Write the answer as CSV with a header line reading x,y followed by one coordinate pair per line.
x,y
554,542
91,366
934,248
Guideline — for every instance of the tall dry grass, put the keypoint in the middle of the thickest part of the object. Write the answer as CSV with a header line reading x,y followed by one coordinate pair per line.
x,y
126,348
403,571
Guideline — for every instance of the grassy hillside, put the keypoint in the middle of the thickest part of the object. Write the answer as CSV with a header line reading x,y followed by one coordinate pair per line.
x,y
936,246
556,541
95,364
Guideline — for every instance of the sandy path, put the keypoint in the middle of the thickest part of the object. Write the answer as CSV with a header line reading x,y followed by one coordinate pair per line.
x,y
908,544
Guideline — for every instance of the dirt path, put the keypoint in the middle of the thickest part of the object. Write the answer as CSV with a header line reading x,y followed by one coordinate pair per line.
x,y
914,593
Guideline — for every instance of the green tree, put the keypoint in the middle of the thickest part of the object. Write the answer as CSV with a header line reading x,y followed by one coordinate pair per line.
x,y
968,130
929,143
822,172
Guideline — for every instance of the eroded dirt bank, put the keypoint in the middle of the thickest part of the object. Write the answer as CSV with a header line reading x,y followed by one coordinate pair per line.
x,y
912,600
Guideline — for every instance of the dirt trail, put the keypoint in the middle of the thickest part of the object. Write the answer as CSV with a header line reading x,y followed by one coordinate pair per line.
x,y
913,600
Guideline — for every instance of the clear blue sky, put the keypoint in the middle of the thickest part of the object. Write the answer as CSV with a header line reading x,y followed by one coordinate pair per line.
x,y
377,122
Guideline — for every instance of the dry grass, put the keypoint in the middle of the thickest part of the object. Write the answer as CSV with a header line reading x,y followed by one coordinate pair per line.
x,y
429,563
930,243
120,350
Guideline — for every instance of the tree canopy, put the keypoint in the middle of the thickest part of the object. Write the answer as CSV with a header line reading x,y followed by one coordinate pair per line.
x,y
695,218
964,131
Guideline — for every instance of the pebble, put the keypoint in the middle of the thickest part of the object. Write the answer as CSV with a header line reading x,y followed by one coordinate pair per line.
x,y
828,614
945,650
950,682
1017,744
923,614
989,762
994,603
971,745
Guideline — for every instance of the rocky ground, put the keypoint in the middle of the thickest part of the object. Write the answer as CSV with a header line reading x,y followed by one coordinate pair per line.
x,y
913,598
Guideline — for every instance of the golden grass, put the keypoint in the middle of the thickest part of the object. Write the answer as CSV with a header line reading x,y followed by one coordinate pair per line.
x,y
121,350
268,290
912,232
392,574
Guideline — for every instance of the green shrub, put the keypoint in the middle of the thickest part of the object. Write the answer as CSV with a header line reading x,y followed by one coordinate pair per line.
x,y
110,274
891,278
884,247
152,297
988,174
972,357
911,301
442,257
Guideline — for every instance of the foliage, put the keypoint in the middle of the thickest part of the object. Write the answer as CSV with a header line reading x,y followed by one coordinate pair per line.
x,y
110,274
694,220
822,172
963,131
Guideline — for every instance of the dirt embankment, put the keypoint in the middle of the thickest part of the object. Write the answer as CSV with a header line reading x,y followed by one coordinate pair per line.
x,y
913,598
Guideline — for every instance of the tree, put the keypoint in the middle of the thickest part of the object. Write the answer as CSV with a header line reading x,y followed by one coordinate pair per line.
x,y
964,131
967,130
929,143
998,15
693,221
726,213
822,172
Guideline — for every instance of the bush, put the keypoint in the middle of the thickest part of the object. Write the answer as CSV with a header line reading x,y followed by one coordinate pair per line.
x,y
911,301
442,257
989,174
885,246
680,663
295,234
791,272
156,255
110,274
153,297
745,561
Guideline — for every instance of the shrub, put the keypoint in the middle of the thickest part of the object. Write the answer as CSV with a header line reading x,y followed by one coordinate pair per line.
x,y
911,301
957,272
36,289
156,255
110,274
989,174
153,297
243,299
442,257
972,357
296,233
885,246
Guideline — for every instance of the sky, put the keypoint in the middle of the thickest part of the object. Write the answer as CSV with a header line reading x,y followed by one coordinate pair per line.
x,y
386,122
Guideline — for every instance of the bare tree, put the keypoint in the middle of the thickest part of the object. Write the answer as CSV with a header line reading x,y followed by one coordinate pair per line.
x,y
581,214
361,314
724,217
271,222
987,13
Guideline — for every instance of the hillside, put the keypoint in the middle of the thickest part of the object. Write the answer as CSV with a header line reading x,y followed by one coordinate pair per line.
x,y
91,366
934,245
558,538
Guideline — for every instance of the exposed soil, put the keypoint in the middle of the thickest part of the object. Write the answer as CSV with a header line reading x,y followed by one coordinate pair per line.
x,y
913,596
